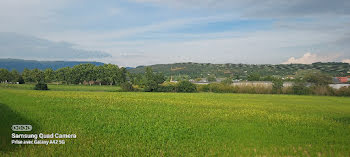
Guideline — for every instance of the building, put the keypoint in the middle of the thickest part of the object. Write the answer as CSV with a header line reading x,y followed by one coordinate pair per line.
x,y
343,79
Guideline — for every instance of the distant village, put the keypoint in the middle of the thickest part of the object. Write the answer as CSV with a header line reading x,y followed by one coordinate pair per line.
x,y
337,82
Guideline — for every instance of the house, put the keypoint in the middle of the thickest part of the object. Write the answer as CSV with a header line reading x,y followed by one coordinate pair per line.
x,y
343,79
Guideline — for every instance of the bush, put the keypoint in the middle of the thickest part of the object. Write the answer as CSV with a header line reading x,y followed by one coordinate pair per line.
x,y
254,89
127,87
322,90
167,87
221,88
41,86
203,88
186,87
343,91
300,88
277,86
151,86
287,90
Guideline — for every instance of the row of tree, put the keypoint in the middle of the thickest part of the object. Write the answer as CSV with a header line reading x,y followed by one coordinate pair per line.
x,y
107,74
79,74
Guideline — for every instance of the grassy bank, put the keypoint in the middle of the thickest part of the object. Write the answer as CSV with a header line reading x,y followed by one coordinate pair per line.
x,y
177,124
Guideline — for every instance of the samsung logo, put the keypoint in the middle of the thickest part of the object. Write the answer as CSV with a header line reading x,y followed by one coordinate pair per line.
x,y
21,128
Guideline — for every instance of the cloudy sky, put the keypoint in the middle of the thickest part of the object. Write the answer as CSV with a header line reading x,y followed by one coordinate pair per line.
x,y
143,32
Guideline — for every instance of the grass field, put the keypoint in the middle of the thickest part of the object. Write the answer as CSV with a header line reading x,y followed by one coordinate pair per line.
x,y
177,124
60,87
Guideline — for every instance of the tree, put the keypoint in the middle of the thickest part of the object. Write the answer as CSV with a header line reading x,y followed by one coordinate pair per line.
x,y
37,75
120,76
27,76
159,78
253,77
126,86
5,75
49,75
15,76
186,87
277,85
64,75
152,80
318,78
106,73
299,87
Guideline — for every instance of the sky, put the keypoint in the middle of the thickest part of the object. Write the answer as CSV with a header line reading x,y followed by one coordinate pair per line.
x,y
146,32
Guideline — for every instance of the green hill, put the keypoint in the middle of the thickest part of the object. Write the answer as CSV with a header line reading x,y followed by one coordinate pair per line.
x,y
195,70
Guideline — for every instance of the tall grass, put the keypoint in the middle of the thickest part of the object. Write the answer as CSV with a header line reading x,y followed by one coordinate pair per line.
x,y
178,124
265,89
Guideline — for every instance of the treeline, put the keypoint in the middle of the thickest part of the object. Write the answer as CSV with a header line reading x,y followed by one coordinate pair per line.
x,y
79,74
308,82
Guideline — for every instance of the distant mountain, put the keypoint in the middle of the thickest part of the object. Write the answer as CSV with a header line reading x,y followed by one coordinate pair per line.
x,y
128,68
200,70
20,64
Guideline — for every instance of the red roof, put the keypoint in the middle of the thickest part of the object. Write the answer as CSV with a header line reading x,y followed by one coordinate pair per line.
x,y
342,79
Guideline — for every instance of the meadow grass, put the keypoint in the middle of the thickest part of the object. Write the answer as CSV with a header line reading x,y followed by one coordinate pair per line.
x,y
178,124
64,87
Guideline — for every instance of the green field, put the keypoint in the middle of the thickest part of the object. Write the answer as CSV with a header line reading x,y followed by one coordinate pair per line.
x,y
60,87
177,124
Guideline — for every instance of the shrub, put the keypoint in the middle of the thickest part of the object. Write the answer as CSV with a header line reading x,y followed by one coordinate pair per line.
x,y
167,87
126,86
300,88
186,87
203,88
151,86
277,86
254,89
221,88
41,86
343,91
322,90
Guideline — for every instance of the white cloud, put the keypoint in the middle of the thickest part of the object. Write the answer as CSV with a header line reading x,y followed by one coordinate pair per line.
x,y
346,61
309,58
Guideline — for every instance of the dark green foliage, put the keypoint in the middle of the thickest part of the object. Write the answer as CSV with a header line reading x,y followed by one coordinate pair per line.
x,y
318,78
277,86
300,88
27,76
151,86
37,75
169,87
159,78
152,80
211,78
41,86
5,75
227,81
201,70
186,87
253,77
127,87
